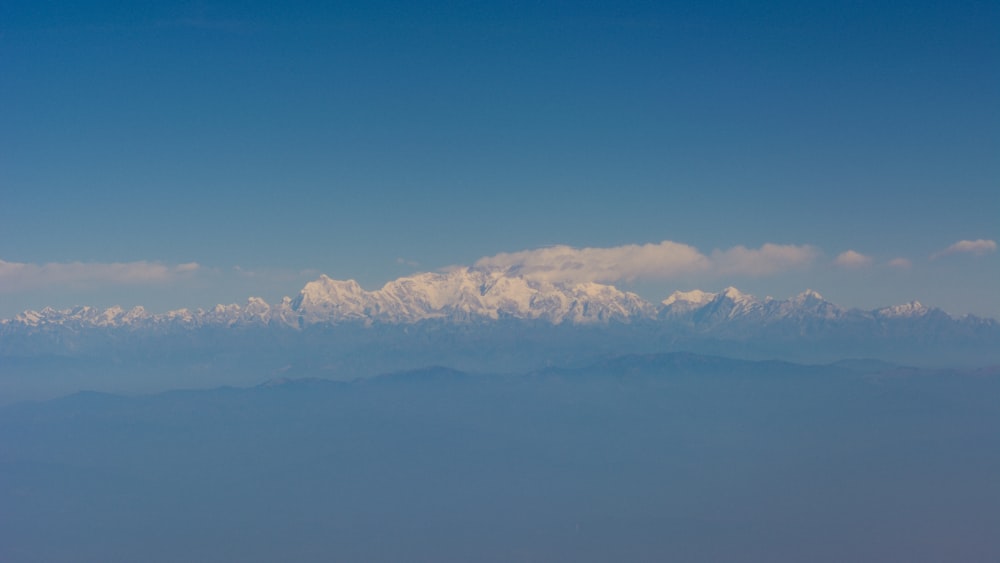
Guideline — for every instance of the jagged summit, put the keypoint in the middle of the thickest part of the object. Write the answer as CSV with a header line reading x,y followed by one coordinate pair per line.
x,y
808,295
736,295
695,297
466,294
911,309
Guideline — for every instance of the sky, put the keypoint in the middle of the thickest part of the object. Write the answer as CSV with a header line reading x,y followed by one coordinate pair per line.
x,y
182,154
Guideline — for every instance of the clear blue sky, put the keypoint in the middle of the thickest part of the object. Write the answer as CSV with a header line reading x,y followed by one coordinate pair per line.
x,y
379,139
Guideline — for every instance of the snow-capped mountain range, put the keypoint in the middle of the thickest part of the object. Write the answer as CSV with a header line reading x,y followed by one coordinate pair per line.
x,y
472,319
464,295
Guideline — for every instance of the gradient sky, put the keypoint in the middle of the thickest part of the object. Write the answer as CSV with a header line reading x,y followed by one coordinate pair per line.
x,y
183,154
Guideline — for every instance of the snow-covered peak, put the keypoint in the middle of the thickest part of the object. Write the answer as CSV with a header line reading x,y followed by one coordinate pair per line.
x,y
682,303
808,295
736,295
256,304
694,297
463,294
911,309
329,298
82,317
256,311
28,318
808,304
181,316
326,288
731,304
135,315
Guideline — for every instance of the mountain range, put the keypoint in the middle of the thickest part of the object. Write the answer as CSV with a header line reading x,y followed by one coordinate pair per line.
x,y
469,295
470,319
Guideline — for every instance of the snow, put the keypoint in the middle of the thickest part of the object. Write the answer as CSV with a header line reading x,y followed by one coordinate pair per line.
x,y
809,294
694,297
736,295
906,310
463,295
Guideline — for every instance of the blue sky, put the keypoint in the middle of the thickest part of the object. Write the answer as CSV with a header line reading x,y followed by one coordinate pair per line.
x,y
182,154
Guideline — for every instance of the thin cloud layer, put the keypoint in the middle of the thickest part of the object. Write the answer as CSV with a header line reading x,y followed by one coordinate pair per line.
x,y
629,262
764,261
17,276
664,260
974,247
852,259
901,263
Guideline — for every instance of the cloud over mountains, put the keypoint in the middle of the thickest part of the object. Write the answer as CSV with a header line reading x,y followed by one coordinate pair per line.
x,y
654,261
673,262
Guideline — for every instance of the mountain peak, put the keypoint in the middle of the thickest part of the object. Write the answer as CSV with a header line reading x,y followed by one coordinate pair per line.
x,y
693,297
911,309
464,294
736,295
809,294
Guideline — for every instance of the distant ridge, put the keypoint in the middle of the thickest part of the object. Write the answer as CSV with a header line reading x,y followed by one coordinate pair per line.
x,y
668,364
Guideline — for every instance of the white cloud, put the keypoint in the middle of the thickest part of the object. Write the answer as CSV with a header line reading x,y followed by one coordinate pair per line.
x,y
901,263
17,276
852,259
975,247
662,260
567,264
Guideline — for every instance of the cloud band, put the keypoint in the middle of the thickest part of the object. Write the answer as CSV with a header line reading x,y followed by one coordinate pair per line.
x,y
664,260
17,276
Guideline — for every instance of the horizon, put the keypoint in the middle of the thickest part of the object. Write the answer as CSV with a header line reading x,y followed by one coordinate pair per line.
x,y
184,155
508,272
653,271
